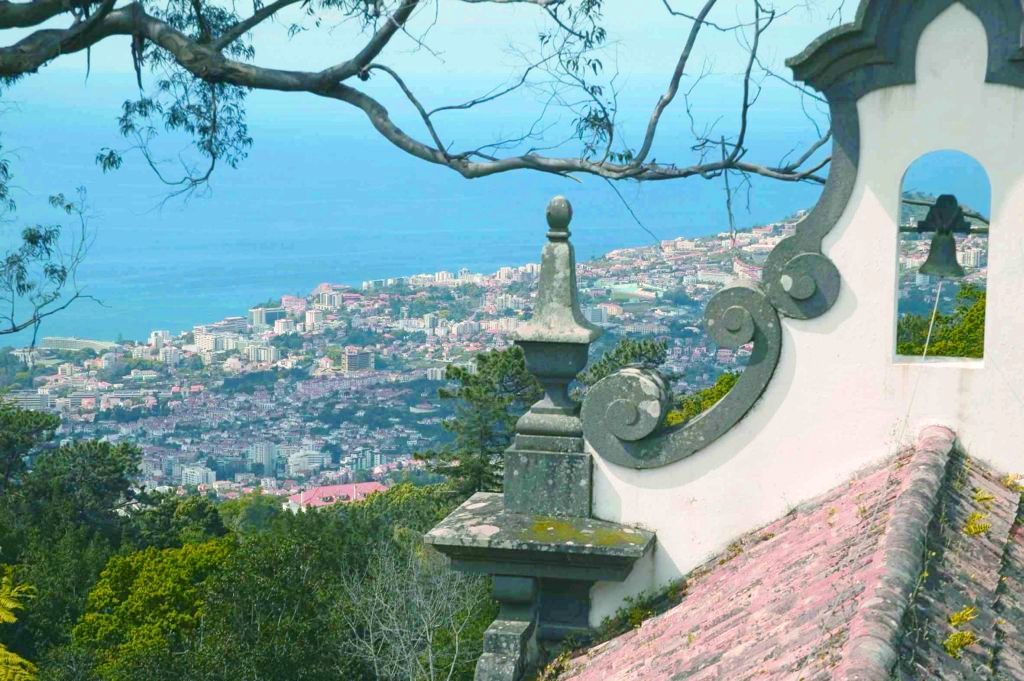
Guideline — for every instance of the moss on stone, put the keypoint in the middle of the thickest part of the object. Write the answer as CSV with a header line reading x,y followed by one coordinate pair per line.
x,y
1014,482
963,616
559,530
977,524
984,498
957,641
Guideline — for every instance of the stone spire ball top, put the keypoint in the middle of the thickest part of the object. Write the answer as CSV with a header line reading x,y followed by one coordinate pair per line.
x,y
559,214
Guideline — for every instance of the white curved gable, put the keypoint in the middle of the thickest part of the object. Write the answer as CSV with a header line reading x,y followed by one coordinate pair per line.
x,y
840,399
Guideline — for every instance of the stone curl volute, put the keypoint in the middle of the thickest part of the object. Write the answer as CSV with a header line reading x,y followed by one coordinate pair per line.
x,y
624,414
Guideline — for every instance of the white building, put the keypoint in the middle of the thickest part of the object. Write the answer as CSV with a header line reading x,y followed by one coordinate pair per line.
x,y
171,356
197,474
158,339
314,319
265,455
262,353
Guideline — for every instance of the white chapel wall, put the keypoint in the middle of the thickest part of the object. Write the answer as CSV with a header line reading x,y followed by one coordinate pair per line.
x,y
840,399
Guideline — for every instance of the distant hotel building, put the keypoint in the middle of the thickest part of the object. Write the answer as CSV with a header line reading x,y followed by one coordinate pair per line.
x,y
260,317
170,355
263,454
314,319
356,360
282,326
197,475
28,399
975,257
158,339
75,344
262,353
596,315
330,300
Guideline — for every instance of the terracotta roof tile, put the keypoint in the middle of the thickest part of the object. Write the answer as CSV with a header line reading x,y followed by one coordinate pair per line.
x,y
859,584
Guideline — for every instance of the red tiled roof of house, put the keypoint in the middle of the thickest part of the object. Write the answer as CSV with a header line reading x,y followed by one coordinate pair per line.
x,y
332,494
913,570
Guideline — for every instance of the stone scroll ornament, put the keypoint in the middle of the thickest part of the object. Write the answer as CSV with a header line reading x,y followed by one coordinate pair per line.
x,y
623,414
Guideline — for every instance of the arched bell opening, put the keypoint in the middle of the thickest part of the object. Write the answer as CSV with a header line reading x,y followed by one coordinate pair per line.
x,y
942,263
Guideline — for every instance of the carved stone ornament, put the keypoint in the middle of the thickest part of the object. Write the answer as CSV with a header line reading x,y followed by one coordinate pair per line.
x,y
623,414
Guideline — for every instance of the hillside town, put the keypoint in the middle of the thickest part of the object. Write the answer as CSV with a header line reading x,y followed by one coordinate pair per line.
x,y
302,395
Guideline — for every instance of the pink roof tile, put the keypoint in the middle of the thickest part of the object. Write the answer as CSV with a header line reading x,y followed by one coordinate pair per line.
x,y
331,494
845,586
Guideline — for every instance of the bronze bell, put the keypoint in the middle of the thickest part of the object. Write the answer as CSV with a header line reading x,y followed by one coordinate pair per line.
x,y
942,260
944,218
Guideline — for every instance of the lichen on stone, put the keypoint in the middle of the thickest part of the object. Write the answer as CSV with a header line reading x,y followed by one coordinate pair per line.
x,y
957,641
564,531
977,524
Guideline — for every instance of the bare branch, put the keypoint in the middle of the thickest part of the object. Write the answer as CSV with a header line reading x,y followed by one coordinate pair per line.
x,y
28,14
412,98
242,27
356,64
673,86
207,62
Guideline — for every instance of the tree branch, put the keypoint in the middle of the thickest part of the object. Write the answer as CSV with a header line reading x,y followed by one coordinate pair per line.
x,y
242,27
673,85
356,64
28,14
207,62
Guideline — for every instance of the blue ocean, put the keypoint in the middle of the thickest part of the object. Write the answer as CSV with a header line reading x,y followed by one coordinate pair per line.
x,y
322,198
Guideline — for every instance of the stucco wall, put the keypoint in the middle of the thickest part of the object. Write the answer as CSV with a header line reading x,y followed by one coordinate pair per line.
x,y
840,399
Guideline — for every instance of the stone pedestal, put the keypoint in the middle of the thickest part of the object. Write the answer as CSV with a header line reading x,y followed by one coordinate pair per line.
x,y
544,567
538,539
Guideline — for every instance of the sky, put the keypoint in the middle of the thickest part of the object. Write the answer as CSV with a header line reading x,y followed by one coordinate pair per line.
x,y
319,179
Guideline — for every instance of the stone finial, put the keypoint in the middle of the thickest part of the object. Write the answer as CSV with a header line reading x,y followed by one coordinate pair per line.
x,y
546,469
559,214
557,317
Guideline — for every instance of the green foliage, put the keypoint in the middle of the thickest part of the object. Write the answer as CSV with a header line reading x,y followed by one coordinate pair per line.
x,y
627,352
957,641
250,513
14,372
61,569
266,615
269,600
488,402
251,382
121,414
82,483
170,521
13,667
145,607
21,432
288,341
59,523
691,406
639,608
977,523
679,297
958,334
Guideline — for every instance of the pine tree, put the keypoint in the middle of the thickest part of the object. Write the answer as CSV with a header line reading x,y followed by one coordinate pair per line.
x,y
645,352
21,432
489,402
491,399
